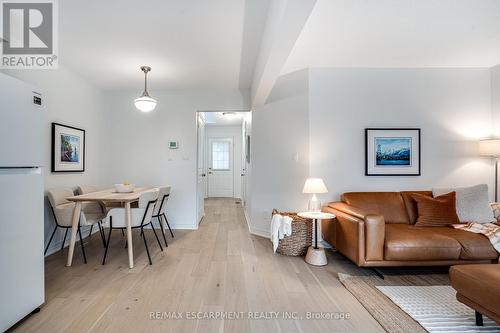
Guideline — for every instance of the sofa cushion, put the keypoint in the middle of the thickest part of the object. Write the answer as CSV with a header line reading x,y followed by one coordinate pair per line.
x,y
408,242
479,284
474,246
436,212
467,245
472,203
388,204
411,203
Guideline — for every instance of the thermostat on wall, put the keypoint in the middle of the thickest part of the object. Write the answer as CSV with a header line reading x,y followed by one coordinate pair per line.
x,y
173,144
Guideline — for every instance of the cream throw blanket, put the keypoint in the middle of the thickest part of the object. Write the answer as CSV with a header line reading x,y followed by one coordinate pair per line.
x,y
490,230
281,226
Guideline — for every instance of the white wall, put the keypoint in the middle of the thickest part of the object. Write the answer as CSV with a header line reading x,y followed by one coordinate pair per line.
x,y
69,100
233,132
495,99
137,143
451,106
322,114
279,152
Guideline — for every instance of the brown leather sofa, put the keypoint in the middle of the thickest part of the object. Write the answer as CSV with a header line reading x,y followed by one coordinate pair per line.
x,y
376,229
478,286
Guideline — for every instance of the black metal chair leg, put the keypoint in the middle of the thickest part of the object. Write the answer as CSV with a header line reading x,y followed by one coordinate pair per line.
x,y
90,232
64,240
156,235
168,225
103,236
162,230
81,244
50,240
108,240
147,249
123,234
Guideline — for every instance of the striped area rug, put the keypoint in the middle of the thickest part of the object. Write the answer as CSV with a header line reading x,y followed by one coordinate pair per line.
x,y
436,308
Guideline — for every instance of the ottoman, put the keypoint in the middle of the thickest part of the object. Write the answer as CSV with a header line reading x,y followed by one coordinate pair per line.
x,y
478,286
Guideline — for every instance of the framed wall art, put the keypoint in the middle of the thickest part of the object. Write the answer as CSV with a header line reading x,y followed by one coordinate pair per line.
x,y
392,152
68,148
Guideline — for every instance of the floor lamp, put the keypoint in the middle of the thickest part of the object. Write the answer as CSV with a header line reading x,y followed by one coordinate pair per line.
x,y
491,148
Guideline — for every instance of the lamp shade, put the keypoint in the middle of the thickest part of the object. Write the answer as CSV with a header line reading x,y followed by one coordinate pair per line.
x,y
489,147
314,186
145,103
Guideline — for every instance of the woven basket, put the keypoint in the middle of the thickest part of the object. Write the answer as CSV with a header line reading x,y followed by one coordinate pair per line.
x,y
301,238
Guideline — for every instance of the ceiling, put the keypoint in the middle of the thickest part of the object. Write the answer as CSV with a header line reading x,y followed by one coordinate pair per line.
x,y
219,119
399,33
193,44
188,43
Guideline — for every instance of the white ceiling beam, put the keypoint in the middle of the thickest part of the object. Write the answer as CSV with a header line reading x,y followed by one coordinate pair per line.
x,y
285,20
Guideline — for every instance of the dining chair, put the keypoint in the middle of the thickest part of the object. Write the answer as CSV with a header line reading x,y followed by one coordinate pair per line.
x,y
160,208
62,210
93,209
140,218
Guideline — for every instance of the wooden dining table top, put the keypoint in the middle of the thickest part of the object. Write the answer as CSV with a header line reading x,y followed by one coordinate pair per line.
x,y
110,195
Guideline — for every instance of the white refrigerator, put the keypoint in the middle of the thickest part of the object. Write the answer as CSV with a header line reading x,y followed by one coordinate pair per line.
x,y
21,200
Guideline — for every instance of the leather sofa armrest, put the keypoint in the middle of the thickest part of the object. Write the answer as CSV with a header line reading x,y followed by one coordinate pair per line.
x,y
328,227
348,209
368,235
375,237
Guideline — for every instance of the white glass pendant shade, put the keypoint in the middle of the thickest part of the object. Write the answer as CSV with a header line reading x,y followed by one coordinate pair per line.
x,y
145,103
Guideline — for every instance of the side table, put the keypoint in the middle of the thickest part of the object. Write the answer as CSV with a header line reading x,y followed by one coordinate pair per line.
x,y
316,255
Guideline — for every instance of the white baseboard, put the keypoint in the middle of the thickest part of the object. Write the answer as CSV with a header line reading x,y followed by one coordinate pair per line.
x,y
260,232
255,231
184,227
247,218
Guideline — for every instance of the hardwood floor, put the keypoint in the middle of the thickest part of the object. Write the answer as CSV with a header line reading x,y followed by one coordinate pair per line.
x,y
219,269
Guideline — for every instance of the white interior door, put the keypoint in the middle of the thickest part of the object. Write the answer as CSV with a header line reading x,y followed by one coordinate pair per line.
x,y
201,173
220,167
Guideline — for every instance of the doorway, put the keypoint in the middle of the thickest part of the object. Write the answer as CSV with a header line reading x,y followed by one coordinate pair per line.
x,y
220,167
221,157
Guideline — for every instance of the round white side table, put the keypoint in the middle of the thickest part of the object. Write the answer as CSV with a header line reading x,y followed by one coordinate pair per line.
x,y
316,255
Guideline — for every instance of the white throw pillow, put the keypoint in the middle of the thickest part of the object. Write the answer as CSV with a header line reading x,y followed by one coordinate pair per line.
x,y
472,203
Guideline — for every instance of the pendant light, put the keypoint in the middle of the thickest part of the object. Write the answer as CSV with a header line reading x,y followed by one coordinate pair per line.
x,y
145,103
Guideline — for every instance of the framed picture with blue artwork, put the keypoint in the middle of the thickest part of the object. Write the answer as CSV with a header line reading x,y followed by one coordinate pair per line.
x,y
68,148
392,152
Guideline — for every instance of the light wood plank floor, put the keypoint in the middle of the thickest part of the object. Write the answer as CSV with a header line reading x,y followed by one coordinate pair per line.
x,y
219,267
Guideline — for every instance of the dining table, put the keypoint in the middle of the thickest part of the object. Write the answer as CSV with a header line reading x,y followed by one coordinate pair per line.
x,y
105,196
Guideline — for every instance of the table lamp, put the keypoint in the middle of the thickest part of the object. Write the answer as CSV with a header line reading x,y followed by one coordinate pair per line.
x,y
491,148
314,186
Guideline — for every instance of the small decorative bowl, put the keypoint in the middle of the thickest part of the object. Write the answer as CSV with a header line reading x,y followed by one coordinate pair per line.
x,y
122,188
